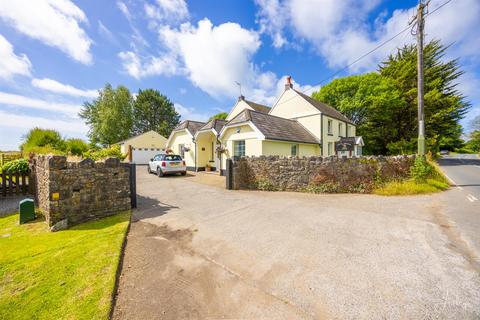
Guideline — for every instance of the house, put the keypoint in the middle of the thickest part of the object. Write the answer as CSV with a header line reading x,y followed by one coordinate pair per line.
x,y
296,125
142,147
182,141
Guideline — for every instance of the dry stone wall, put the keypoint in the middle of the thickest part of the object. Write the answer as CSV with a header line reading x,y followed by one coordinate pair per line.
x,y
318,174
69,193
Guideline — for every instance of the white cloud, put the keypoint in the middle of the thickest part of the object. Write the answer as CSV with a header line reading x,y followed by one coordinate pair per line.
x,y
22,101
57,87
10,63
54,22
106,33
139,67
214,56
190,113
272,20
124,9
340,32
26,122
167,11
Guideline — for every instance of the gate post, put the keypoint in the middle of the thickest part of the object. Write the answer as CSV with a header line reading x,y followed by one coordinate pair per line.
x,y
133,185
229,174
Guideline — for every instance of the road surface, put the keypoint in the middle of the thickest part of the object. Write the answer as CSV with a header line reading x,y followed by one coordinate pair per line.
x,y
462,203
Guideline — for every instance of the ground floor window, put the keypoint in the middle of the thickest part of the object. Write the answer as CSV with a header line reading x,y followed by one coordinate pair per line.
x,y
330,148
294,150
359,150
181,150
239,148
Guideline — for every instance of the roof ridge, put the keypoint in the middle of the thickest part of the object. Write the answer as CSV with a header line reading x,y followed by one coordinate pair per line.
x,y
308,98
271,115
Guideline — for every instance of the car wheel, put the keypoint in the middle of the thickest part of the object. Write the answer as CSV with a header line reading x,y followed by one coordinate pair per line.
x,y
159,172
148,169
184,173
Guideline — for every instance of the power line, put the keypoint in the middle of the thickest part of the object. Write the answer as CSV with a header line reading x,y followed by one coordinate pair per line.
x,y
366,54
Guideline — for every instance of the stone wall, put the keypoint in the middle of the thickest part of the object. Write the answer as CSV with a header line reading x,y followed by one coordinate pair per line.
x,y
69,193
318,174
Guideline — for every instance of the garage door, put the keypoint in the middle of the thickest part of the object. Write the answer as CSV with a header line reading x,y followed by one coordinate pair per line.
x,y
143,155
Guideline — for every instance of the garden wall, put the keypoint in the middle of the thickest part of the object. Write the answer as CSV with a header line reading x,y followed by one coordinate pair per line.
x,y
69,193
318,174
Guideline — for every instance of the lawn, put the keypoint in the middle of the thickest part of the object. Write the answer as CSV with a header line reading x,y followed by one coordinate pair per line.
x,y
59,275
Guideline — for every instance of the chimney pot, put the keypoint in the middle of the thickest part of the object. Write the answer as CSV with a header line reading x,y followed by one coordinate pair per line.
x,y
288,85
241,97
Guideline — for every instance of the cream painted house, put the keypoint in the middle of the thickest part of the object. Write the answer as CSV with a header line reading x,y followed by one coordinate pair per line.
x,y
296,125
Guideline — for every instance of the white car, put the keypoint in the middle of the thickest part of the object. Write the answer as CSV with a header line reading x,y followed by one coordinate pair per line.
x,y
163,164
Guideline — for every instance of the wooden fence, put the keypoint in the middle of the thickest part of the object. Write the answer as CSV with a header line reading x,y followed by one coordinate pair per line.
x,y
11,184
9,156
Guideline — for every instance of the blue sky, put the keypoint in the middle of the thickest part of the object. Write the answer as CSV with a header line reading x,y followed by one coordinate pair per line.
x,y
55,54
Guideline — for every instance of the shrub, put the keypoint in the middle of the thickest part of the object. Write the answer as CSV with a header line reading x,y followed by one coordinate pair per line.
x,y
37,137
265,185
76,147
421,170
112,152
19,165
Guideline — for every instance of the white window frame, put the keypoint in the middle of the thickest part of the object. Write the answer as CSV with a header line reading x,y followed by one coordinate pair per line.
x,y
294,147
330,149
340,129
330,127
238,142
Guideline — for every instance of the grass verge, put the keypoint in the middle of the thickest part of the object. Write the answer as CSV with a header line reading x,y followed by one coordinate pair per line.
x,y
410,187
435,183
59,275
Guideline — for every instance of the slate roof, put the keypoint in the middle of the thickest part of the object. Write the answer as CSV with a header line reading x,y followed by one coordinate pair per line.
x,y
275,128
216,124
324,108
258,107
192,126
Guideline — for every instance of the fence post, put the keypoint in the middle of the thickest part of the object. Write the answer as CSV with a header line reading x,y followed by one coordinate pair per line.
x,y
229,174
133,185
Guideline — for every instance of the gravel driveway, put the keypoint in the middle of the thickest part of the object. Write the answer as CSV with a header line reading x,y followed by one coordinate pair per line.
x,y
197,251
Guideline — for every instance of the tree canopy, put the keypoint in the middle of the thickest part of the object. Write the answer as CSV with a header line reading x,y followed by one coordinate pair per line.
x,y
220,115
153,111
384,104
109,116
115,115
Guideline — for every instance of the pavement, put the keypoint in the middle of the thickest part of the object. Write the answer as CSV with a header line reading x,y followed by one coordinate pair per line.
x,y
198,251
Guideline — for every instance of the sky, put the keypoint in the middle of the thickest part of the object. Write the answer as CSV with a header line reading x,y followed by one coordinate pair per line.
x,y
57,54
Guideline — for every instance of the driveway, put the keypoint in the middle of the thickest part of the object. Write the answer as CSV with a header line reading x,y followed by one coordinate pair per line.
x,y
197,251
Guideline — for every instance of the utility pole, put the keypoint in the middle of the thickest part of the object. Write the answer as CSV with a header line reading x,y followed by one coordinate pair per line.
x,y
419,32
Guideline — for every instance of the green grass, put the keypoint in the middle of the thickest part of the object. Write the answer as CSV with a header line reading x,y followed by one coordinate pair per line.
x,y
410,187
59,275
436,183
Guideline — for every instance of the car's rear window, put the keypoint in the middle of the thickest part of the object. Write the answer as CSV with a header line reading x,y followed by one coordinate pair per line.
x,y
172,158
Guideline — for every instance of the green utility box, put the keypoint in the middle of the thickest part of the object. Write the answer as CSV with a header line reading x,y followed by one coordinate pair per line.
x,y
27,210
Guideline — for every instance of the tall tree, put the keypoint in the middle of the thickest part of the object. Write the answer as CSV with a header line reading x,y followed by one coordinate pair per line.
x,y
153,111
371,102
444,107
384,104
220,116
109,116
